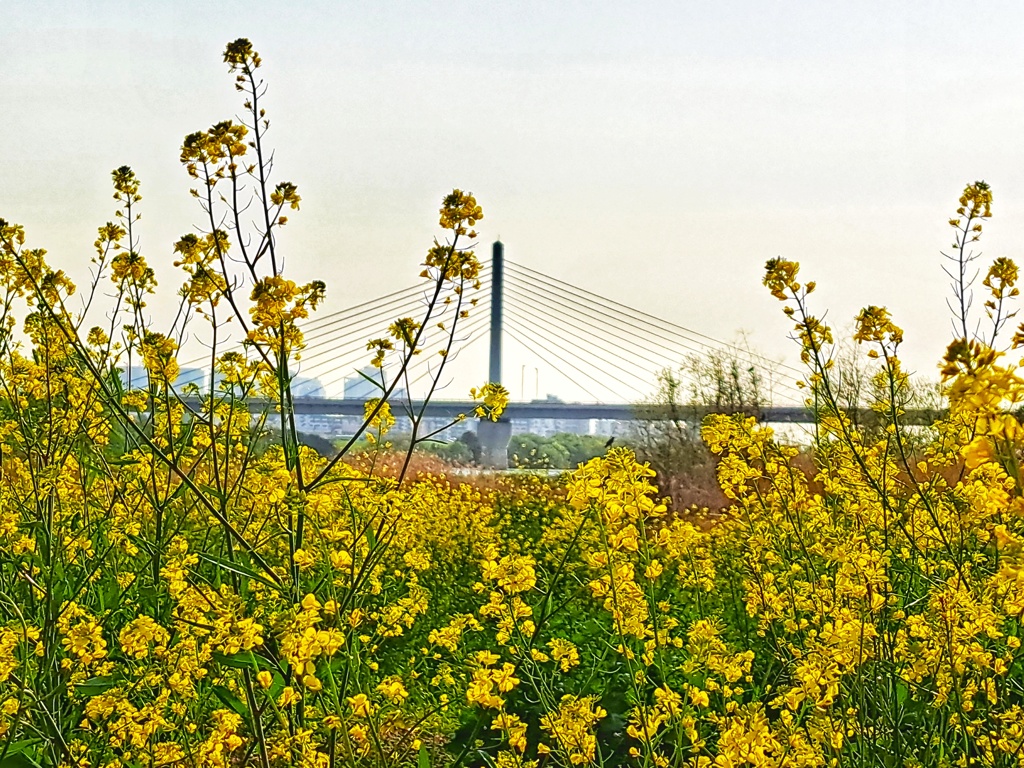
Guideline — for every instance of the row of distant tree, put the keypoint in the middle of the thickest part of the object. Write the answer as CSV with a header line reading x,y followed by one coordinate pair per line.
x,y
561,451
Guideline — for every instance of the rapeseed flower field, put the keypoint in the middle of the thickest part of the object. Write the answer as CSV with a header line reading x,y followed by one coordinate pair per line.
x,y
178,590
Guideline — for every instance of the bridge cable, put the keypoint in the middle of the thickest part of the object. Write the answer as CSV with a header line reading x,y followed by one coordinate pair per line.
x,y
356,343
370,305
566,357
751,357
357,332
636,351
586,319
419,288
387,316
552,320
479,319
559,299
384,316
356,337
683,329
477,333
346,372
408,303
530,349
545,337
471,326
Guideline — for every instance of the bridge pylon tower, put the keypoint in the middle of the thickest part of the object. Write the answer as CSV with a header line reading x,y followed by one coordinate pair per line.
x,y
494,435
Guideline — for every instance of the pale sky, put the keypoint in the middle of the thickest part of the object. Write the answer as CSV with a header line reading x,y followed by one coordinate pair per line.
x,y
657,153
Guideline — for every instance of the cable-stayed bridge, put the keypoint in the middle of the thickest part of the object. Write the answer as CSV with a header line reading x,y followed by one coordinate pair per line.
x,y
606,352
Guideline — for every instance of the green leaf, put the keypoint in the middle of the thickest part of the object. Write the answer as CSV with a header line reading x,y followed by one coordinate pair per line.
x,y
15,756
231,701
241,660
20,746
122,462
423,758
18,760
276,686
95,686
244,660
902,691
241,570
372,380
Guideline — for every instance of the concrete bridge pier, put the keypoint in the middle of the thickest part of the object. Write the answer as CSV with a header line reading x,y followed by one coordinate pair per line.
x,y
494,437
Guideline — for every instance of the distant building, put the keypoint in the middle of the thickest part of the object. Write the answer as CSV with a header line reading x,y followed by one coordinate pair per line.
x,y
325,425
134,377
549,427
358,388
307,386
196,376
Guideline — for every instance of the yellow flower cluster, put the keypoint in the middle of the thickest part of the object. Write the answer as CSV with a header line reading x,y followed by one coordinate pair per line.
x,y
572,727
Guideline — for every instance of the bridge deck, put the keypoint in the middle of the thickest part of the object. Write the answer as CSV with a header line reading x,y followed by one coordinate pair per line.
x,y
545,410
